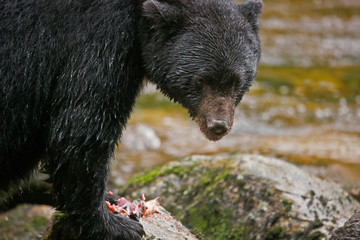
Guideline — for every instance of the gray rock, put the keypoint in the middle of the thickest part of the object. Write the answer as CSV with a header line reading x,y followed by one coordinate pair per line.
x,y
163,226
247,197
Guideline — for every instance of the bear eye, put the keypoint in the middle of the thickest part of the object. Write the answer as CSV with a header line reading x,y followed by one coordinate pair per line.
x,y
238,82
200,81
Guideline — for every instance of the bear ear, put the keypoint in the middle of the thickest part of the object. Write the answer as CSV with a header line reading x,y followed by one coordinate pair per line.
x,y
251,9
163,11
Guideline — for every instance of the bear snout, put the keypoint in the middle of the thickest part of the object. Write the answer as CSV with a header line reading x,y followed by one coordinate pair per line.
x,y
215,115
214,128
218,127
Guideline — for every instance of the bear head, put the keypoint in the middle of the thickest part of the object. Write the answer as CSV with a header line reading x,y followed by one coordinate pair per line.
x,y
202,54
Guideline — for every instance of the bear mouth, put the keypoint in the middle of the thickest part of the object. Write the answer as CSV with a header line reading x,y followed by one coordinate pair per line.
x,y
214,136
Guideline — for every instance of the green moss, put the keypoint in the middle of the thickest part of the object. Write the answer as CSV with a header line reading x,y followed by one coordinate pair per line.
x,y
315,236
58,216
146,177
210,179
277,233
197,220
222,175
208,215
217,224
205,179
288,204
56,232
317,223
241,232
213,176
265,193
178,170
39,221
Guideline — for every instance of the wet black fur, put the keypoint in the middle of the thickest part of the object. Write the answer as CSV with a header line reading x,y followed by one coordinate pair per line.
x,y
70,72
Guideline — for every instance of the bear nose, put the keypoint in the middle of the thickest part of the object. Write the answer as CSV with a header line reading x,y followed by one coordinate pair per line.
x,y
218,127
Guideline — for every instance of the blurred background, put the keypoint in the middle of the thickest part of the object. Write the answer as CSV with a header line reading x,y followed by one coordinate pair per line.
x,y
304,106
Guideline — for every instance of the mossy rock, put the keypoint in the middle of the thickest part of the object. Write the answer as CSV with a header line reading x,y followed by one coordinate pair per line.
x,y
246,197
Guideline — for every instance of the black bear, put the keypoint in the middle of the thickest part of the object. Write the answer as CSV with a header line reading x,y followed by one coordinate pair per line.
x,y
70,72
